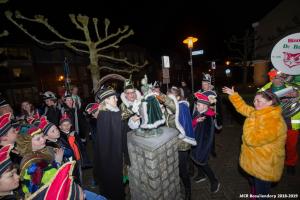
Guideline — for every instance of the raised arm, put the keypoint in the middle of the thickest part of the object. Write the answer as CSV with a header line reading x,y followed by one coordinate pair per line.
x,y
238,102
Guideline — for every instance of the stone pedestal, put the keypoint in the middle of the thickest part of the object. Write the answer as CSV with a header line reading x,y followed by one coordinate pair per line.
x,y
154,172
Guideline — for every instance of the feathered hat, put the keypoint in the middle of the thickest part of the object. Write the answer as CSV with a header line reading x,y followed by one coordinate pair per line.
x,y
60,187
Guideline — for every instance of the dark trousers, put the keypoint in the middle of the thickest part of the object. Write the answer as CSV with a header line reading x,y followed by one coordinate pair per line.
x,y
206,170
184,169
261,187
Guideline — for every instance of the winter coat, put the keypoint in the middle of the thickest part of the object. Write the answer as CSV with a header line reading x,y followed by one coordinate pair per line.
x,y
263,140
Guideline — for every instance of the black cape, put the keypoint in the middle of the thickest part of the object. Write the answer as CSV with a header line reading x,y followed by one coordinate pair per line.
x,y
111,146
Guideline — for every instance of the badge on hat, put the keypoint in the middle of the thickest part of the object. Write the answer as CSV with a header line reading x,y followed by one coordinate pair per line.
x,y
128,84
32,131
156,84
206,78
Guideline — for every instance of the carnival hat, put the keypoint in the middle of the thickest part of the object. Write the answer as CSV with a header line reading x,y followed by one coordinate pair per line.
x,y
5,123
206,78
156,84
128,84
60,187
5,160
65,117
45,125
49,95
201,98
91,108
104,93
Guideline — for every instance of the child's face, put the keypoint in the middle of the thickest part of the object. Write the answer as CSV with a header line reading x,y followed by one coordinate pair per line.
x,y
201,107
38,142
10,137
9,180
53,133
65,126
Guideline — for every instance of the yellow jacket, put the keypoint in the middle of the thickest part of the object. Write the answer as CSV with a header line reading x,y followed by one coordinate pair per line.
x,y
263,141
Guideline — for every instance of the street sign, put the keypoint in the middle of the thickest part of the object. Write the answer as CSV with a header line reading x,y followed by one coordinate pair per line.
x,y
198,52
165,61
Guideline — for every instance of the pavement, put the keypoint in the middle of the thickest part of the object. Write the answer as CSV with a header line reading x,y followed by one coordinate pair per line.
x,y
226,167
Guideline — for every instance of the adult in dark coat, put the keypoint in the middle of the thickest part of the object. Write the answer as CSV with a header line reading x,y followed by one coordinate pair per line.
x,y
79,125
52,109
110,146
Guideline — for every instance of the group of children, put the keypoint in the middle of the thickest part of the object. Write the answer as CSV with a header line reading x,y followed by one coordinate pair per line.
x,y
37,157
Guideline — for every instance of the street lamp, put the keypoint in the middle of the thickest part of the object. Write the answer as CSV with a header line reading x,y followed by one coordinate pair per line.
x,y
190,41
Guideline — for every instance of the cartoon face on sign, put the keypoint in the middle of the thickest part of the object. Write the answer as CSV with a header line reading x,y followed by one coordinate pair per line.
x,y
285,55
291,59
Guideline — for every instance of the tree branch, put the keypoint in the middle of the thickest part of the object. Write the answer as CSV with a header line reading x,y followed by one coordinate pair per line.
x,y
73,20
123,60
41,20
120,31
71,46
95,20
114,44
129,71
106,22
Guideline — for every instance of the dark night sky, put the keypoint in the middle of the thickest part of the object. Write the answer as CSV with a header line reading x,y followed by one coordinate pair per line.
x,y
160,27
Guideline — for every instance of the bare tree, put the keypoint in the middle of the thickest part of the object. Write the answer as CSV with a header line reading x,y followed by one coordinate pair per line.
x,y
243,48
95,47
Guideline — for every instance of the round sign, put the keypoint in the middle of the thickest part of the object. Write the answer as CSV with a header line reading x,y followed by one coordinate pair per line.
x,y
285,55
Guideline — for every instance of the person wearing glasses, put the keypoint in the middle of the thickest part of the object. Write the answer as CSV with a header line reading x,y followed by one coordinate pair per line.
x,y
263,140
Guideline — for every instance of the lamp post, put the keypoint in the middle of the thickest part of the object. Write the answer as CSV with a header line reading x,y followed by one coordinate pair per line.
x,y
190,41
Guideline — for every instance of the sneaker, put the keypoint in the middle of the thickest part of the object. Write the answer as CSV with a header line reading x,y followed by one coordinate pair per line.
x,y
199,179
215,187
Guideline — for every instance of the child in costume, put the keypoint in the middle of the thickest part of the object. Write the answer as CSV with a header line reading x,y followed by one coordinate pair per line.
x,y
9,179
203,123
8,135
184,125
68,142
39,162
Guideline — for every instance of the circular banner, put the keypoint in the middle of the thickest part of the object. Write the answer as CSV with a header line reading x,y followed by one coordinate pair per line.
x,y
285,55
